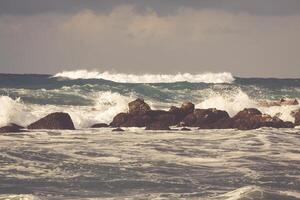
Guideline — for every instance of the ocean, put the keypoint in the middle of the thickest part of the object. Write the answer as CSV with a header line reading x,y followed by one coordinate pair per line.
x,y
138,164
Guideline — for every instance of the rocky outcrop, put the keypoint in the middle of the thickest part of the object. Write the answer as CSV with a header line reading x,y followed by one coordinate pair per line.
x,y
58,120
141,115
206,118
138,107
296,115
100,125
11,128
251,118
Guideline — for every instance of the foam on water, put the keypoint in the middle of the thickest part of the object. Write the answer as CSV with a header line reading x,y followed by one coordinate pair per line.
x,y
224,77
238,100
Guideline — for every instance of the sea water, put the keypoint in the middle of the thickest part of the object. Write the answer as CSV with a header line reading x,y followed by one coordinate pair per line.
x,y
138,164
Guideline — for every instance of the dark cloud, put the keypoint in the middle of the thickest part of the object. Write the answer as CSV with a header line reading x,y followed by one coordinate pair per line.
x,y
162,7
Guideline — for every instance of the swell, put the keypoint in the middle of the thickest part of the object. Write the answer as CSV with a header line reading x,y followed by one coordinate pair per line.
x,y
224,77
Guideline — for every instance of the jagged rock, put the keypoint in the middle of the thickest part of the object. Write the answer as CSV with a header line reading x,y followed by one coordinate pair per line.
x,y
285,101
251,118
296,115
118,130
58,120
11,128
100,125
204,118
157,126
138,106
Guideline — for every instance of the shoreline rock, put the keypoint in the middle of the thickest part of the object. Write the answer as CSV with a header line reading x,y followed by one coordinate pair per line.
x,y
12,128
141,115
58,120
100,125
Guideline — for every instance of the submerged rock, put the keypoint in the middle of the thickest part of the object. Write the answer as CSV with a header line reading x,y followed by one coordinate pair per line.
x,y
118,130
185,129
100,125
11,128
58,120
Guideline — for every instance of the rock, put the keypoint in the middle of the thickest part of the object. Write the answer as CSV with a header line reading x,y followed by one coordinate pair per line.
x,y
161,116
130,120
157,126
251,118
100,125
185,129
296,115
187,108
58,120
285,101
118,130
11,128
138,106
204,118
281,102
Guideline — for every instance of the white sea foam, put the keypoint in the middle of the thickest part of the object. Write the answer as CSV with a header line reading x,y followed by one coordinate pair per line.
x,y
224,77
13,111
237,101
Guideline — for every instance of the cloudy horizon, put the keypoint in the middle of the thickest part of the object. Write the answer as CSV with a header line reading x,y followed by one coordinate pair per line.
x,y
246,38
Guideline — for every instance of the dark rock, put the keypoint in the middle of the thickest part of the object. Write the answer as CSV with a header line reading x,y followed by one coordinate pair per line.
x,y
56,120
205,118
187,107
157,126
138,106
185,129
285,101
11,128
162,116
100,125
130,120
118,130
296,115
251,118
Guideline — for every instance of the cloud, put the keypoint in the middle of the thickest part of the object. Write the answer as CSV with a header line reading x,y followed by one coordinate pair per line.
x,y
128,40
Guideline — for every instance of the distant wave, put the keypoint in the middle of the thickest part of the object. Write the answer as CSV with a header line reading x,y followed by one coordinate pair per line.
x,y
224,77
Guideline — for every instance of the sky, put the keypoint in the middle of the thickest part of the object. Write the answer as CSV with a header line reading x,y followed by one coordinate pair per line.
x,y
249,38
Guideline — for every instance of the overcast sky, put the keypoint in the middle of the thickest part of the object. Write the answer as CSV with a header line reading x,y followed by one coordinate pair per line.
x,y
251,38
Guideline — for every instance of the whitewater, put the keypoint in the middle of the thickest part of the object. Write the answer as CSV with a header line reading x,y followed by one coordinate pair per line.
x,y
137,164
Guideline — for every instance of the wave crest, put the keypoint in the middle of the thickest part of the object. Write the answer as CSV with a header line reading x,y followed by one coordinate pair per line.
x,y
223,77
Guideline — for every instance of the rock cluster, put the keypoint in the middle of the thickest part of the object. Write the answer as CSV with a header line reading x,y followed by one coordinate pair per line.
x,y
141,115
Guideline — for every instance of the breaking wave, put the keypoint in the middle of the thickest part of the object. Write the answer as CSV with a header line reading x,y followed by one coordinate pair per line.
x,y
224,77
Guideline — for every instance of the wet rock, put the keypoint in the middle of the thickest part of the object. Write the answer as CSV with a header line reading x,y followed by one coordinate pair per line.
x,y
157,126
187,108
118,130
130,120
281,102
100,125
251,118
296,115
205,118
138,106
285,101
11,128
58,120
